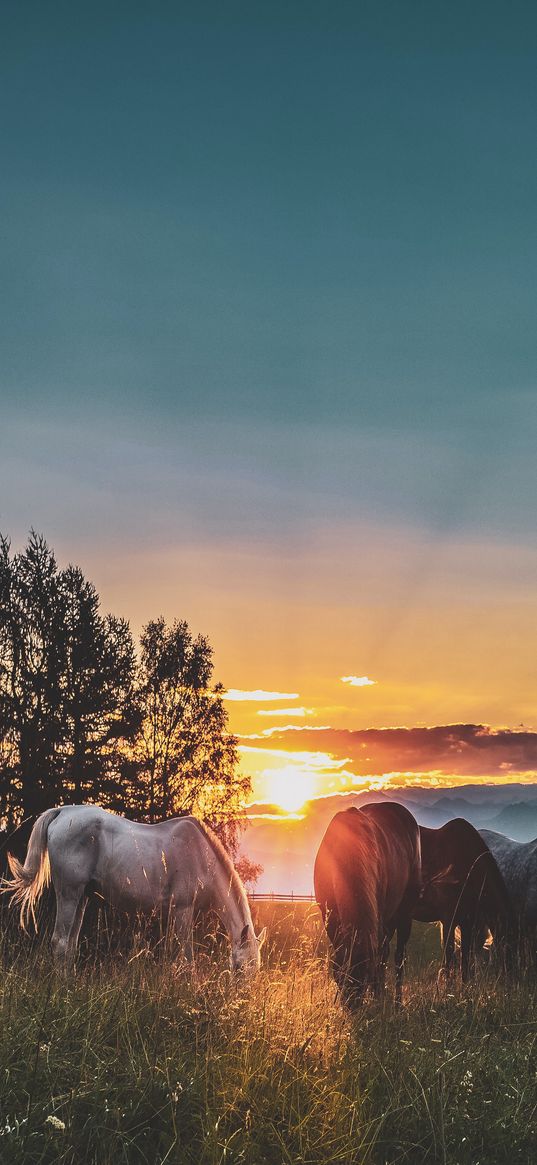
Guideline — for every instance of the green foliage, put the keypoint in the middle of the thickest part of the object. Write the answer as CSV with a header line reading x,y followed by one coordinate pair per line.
x,y
142,1065
184,758
82,719
66,685
99,689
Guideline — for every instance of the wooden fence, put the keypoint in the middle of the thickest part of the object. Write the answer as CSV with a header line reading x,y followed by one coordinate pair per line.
x,y
254,896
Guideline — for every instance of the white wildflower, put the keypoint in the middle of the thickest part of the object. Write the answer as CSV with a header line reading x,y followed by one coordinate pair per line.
x,y
56,1123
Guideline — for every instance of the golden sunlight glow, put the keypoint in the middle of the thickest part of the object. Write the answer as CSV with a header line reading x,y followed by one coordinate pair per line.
x,y
290,787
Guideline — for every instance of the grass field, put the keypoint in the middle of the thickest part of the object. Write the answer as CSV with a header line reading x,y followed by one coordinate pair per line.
x,y
134,1062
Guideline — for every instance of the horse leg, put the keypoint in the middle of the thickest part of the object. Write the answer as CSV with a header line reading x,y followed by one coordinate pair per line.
x,y
403,935
338,950
350,970
70,907
448,944
184,929
467,950
380,975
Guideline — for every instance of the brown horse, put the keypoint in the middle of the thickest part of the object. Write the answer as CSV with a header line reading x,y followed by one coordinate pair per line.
x,y
367,881
462,887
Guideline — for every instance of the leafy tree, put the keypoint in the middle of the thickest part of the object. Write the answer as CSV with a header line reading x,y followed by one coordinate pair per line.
x,y
185,756
82,720
248,870
66,685
30,676
98,712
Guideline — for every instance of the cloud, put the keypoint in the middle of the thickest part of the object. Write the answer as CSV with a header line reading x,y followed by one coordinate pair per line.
x,y
358,681
258,812
450,751
258,694
282,728
316,761
285,711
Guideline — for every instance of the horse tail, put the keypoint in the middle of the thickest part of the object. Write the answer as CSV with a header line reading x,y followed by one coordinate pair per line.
x,y
29,880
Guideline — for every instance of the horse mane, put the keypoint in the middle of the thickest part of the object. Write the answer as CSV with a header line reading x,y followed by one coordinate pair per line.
x,y
354,859
222,854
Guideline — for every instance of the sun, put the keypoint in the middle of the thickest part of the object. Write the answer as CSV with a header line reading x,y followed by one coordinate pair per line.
x,y
289,788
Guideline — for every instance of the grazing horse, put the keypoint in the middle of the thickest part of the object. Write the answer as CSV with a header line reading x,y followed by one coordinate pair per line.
x,y
367,880
517,861
174,868
462,887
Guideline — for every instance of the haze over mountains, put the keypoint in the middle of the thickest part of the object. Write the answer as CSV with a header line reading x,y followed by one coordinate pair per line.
x,y
286,845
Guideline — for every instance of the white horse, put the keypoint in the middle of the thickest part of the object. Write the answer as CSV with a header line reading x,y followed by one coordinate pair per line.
x,y
175,868
517,863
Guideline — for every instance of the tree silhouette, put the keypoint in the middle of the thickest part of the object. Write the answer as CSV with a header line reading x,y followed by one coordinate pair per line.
x,y
98,710
81,719
30,683
186,759
66,685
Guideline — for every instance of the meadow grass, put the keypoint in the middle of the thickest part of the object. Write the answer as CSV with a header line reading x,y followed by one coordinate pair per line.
x,y
138,1062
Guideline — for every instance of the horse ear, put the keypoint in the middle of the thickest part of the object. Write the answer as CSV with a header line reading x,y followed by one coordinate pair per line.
x,y
261,937
244,935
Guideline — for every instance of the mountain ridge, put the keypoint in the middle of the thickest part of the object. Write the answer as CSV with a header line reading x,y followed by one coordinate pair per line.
x,y
286,845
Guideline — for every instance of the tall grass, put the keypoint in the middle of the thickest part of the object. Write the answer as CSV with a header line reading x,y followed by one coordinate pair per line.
x,y
136,1061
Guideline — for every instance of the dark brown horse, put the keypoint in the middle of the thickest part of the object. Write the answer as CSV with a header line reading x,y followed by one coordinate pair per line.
x,y
367,881
463,888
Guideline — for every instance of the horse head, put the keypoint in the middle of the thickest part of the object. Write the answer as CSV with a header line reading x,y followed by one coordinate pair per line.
x,y
246,954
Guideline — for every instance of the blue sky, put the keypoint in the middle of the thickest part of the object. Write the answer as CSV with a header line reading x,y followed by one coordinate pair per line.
x,y
272,212
269,292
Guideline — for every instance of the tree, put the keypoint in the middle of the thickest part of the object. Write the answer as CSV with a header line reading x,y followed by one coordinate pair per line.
x,y
66,686
249,871
82,720
30,686
98,711
186,759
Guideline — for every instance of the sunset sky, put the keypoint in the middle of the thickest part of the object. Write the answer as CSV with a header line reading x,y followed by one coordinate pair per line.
x,y
269,359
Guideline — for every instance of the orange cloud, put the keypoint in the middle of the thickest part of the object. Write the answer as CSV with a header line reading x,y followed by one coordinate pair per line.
x,y
285,712
447,751
258,694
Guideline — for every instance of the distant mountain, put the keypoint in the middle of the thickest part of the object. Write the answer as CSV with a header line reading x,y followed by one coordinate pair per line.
x,y
518,821
286,846
456,804
445,808
478,794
